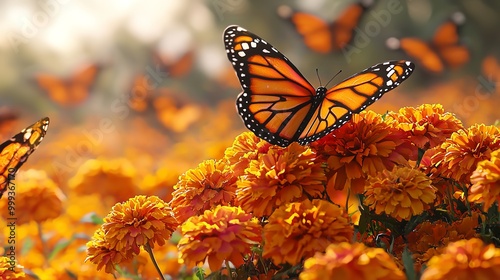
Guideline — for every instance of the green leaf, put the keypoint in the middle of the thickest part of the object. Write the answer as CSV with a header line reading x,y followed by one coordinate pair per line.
x,y
408,265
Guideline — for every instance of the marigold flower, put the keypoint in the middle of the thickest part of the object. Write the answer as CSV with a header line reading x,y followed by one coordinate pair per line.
x,y
401,193
246,147
10,270
100,252
459,155
428,124
351,261
486,182
465,259
37,198
139,221
116,174
211,183
224,233
363,146
280,176
300,229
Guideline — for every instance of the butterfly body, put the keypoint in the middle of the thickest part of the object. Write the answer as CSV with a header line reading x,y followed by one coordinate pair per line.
x,y
280,106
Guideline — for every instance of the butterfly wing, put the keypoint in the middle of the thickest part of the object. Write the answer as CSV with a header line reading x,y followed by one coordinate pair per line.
x,y
71,91
353,95
446,41
14,152
276,98
423,53
343,28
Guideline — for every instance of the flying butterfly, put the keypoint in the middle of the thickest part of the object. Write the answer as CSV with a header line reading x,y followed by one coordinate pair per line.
x,y
322,36
280,106
444,50
69,91
14,152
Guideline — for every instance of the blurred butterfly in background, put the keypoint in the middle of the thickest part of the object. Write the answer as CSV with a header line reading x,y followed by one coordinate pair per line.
x,y
322,36
444,50
280,106
69,91
8,120
15,151
175,68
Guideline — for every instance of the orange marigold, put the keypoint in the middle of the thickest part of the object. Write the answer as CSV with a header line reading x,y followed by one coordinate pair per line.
x,y
10,270
459,155
224,233
464,260
363,146
139,221
246,147
117,175
351,261
486,182
37,198
428,124
300,229
101,253
400,193
212,183
280,176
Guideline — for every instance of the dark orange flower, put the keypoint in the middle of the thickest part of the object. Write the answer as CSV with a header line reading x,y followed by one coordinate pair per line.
x,y
246,147
100,252
212,183
459,155
138,222
351,261
486,182
37,198
363,146
10,270
300,229
280,176
112,179
464,260
401,193
224,233
428,124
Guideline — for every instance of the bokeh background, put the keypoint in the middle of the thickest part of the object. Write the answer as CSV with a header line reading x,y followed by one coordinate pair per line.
x,y
144,88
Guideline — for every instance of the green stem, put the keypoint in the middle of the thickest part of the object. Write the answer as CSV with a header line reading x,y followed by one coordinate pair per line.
x,y
229,270
45,250
152,256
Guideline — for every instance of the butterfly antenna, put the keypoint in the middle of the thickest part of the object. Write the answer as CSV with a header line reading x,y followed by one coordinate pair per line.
x,y
317,74
333,77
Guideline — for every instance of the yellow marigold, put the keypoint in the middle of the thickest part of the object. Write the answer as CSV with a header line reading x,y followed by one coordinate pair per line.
x,y
280,176
486,182
459,155
246,147
101,253
112,179
363,146
137,222
464,260
428,124
37,198
351,261
400,193
224,233
211,183
10,270
300,229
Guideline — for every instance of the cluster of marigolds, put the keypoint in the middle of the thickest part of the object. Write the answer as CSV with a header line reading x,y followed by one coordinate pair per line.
x,y
412,192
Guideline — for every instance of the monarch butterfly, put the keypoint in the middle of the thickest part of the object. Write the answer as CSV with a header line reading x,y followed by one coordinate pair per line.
x,y
14,152
321,36
70,91
443,50
175,67
280,106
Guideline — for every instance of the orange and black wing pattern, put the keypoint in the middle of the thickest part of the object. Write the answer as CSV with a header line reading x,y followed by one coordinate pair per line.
x,y
15,151
69,91
443,51
280,106
322,36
